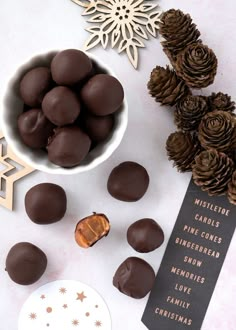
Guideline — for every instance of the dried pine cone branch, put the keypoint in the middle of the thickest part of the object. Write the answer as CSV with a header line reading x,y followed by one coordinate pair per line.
x,y
218,130
189,112
212,171
197,65
232,189
178,31
166,86
221,101
182,148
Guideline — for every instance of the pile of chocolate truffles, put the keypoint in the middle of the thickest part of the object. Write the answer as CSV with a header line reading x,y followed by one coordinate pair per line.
x,y
46,203
69,107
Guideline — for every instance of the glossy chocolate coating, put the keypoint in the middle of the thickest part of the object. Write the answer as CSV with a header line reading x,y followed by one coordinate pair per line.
x,y
145,235
135,278
25,263
34,85
61,106
102,95
70,66
45,203
69,146
98,128
128,182
34,128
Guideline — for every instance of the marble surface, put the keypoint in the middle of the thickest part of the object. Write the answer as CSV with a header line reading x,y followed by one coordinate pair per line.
x,y
29,27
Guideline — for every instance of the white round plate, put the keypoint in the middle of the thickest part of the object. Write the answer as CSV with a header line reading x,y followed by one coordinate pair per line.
x,y
64,305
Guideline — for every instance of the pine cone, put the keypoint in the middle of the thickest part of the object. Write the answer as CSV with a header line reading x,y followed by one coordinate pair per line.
x,y
182,148
189,112
232,189
212,171
197,65
178,31
222,102
166,86
217,130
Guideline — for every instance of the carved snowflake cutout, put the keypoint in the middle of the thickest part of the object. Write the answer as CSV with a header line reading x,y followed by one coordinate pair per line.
x,y
123,23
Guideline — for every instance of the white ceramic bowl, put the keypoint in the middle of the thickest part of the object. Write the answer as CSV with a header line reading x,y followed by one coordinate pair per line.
x,y
13,106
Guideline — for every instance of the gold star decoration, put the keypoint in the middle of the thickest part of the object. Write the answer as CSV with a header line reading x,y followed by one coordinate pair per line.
x,y
81,296
98,324
33,316
62,290
12,169
75,322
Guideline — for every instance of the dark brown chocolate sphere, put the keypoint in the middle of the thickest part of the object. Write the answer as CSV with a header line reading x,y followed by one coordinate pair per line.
x,y
128,182
25,263
34,128
145,235
70,66
102,95
98,128
34,85
61,106
45,203
135,278
68,147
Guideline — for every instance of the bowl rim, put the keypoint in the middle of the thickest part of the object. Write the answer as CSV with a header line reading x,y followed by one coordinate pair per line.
x,y
60,170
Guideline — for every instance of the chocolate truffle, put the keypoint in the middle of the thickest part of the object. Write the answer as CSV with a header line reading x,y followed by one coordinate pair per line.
x,y
102,94
91,229
128,182
34,128
98,128
25,263
70,66
145,235
68,147
34,85
135,278
61,106
45,203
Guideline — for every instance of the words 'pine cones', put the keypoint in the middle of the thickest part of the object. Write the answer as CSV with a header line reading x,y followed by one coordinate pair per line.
x,y
166,86
189,112
218,130
212,171
221,101
197,65
178,31
182,148
232,189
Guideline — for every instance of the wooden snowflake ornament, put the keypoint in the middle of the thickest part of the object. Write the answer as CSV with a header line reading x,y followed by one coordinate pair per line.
x,y
123,23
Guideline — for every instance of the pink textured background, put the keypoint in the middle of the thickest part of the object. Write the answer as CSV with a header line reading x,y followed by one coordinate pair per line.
x,y
29,27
